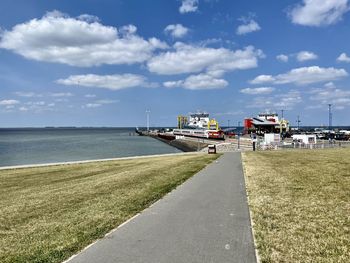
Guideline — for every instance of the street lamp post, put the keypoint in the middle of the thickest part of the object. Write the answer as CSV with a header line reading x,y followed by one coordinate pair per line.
x,y
298,121
147,113
330,116
238,138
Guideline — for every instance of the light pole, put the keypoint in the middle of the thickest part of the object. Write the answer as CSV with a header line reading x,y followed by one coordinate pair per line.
x,y
329,116
238,132
298,121
282,116
228,123
147,114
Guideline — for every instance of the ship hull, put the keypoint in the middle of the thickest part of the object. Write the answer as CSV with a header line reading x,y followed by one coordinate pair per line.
x,y
197,133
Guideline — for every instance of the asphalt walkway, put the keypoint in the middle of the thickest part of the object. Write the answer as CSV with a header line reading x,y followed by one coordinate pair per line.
x,y
204,220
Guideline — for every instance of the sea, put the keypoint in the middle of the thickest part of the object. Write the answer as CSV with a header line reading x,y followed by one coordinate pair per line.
x,y
22,146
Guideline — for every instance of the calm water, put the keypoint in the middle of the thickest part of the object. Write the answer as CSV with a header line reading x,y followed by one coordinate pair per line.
x,y
34,146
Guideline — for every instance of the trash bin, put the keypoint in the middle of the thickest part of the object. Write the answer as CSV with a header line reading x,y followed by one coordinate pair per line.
x,y
212,148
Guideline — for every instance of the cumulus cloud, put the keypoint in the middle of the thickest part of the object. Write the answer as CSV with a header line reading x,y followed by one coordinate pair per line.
x,y
263,79
248,27
192,59
198,82
306,55
319,12
286,101
303,76
331,94
188,6
8,102
88,18
177,30
282,58
81,41
112,82
343,57
257,91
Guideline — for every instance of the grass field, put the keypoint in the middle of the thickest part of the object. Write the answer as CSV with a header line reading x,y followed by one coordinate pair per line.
x,y
49,213
300,204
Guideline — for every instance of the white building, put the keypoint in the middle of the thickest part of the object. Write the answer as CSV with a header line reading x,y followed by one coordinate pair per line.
x,y
305,138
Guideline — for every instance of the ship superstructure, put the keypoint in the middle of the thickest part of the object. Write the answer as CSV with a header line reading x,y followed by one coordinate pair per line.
x,y
198,125
266,123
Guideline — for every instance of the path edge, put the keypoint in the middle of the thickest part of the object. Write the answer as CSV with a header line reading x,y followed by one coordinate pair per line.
x,y
139,213
257,256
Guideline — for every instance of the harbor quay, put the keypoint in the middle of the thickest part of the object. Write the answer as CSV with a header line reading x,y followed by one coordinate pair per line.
x,y
264,132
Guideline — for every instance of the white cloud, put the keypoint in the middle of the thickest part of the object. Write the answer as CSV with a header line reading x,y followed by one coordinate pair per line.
x,y
156,43
319,12
99,103
188,6
62,39
303,76
61,100
28,94
23,109
177,30
37,106
257,91
286,101
282,57
331,94
8,102
263,79
90,96
306,55
88,18
36,103
192,59
343,57
248,27
61,94
112,82
198,82
93,105
106,101
173,84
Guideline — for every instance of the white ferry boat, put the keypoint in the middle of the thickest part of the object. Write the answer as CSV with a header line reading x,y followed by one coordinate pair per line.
x,y
199,125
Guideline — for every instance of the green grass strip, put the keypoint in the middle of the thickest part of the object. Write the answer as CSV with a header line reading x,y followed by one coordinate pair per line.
x,y
49,213
300,204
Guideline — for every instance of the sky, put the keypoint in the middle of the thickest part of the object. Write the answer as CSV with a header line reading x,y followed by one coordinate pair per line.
x,y
106,62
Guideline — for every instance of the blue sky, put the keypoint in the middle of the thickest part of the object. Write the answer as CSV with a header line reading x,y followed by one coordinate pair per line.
x,y
104,62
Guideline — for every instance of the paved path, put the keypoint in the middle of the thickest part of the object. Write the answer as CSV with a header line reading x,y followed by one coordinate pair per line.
x,y
204,220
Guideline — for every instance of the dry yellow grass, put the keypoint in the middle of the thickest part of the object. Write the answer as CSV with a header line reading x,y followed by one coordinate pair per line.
x,y
300,204
49,213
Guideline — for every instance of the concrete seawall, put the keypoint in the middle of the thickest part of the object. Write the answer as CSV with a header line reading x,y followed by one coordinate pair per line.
x,y
183,145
